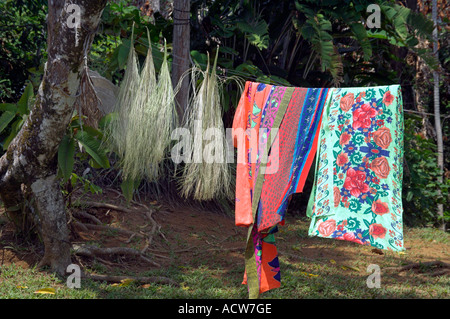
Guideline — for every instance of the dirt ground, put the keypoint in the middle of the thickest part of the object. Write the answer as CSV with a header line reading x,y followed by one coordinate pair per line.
x,y
181,231
193,234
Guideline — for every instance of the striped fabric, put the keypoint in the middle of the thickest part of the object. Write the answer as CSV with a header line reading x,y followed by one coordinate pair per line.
x,y
278,131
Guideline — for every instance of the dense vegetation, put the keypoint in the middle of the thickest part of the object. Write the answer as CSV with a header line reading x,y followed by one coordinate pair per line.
x,y
296,43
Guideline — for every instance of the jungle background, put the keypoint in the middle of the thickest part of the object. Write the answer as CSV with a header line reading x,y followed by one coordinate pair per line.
x,y
196,249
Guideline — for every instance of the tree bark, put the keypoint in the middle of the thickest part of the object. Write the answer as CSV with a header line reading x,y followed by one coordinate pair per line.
x,y
181,52
30,160
437,115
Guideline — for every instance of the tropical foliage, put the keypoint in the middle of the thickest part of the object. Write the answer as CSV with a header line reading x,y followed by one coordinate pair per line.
x,y
298,42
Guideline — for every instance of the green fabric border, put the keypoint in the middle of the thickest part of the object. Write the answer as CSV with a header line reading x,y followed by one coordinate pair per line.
x,y
250,261
326,111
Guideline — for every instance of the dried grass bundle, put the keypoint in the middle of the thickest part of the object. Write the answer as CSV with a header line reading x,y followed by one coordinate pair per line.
x,y
151,120
117,128
207,176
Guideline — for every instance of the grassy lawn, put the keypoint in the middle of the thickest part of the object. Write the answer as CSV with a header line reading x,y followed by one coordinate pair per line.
x,y
310,268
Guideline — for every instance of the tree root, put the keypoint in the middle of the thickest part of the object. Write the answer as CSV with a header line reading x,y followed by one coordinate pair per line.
x,y
97,252
443,268
98,225
149,240
103,205
109,228
92,251
92,218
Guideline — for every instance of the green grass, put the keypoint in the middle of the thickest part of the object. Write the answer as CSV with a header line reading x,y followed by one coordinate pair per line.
x,y
209,275
429,234
198,283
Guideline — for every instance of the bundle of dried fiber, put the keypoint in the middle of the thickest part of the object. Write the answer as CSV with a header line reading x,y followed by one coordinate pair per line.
x,y
117,128
207,175
137,147
151,120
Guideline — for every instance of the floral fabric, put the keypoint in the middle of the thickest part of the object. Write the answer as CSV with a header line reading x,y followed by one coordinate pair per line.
x,y
356,136
248,118
289,120
359,167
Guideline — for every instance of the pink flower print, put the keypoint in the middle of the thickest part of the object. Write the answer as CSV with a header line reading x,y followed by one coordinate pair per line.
x,y
362,117
388,98
326,228
347,102
355,182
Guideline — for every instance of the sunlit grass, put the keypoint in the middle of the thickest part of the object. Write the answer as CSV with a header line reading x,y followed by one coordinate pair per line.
x,y
337,270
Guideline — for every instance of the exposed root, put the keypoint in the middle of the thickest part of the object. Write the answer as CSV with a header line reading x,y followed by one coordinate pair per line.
x,y
44,262
92,251
80,226
149,240
442,267
110,228
441,272
92,218
103,205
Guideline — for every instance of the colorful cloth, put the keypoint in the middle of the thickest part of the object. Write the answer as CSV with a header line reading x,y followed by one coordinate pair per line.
x,y
358,187
260,110
246,125
360,133
280,111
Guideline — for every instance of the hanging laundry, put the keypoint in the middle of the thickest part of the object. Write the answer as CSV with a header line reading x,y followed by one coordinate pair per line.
x,y
275,117
281,128
357,194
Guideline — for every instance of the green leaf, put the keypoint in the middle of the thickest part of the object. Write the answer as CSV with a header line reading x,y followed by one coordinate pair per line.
x,y
106,120
123,51
15,127
93,147
73,179
199,58
361,35
66,152
127,187
409,196
5,119
24,104
256,32
316,30
377,34
8,107
93,132
94,189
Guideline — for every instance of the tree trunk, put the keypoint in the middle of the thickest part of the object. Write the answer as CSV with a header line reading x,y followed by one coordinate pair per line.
x,y
437,115
30,160
181,52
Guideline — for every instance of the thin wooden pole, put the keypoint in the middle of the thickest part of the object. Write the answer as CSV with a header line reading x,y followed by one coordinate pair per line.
x,y
181,52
